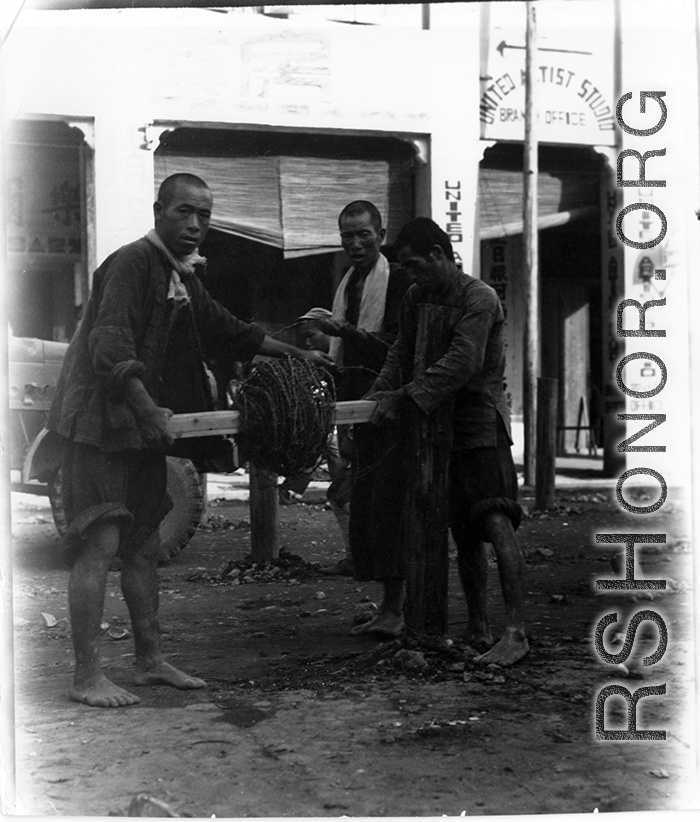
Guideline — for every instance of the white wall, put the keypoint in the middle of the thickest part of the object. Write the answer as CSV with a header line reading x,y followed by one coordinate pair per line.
x,y
128,69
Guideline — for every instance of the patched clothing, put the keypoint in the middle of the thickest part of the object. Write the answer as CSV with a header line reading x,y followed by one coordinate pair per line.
x,y
144,321
128,487
125,333
472,368
482,475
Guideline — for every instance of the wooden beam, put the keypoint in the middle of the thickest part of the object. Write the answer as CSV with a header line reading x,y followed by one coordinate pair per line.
x,y
547,221
204,424
212,423
349,412
425,509
545,469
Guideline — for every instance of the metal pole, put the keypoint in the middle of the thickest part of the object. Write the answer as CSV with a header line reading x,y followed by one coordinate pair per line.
x,y
530,255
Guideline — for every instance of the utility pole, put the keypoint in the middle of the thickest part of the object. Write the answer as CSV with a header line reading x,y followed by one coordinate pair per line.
x,y
530,249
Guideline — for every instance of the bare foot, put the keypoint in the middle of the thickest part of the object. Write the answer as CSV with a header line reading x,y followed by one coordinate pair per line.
x,y
511,647
479,637
385,625
101,693
163,673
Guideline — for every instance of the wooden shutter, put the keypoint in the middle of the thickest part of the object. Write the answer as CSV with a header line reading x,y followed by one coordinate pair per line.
x,y
291,203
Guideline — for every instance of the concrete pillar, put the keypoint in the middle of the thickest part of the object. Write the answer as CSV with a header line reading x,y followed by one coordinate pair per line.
x,y
123,182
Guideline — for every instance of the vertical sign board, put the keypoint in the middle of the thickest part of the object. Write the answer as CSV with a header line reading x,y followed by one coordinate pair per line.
x,y
501,260
454,131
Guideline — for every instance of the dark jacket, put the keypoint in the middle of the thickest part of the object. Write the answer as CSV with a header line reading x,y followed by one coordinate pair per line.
x,y
472,367
364,352
125,333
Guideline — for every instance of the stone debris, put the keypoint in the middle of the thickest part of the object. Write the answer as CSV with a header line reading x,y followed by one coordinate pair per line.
x,y
218,522
364,612
144,805
411,660
660,773
288,568
434,658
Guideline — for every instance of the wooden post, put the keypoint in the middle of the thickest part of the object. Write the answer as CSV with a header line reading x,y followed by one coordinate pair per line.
x,y
264,515
530,257
546,442
205,498
264,512
424,520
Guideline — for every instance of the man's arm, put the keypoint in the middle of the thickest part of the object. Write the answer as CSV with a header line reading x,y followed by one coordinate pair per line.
x,y
398,367
463,360
371,347
151,419
276,348
217,325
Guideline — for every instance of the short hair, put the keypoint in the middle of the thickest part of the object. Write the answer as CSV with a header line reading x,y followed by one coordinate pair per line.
x,y
421,235
167,188
357,207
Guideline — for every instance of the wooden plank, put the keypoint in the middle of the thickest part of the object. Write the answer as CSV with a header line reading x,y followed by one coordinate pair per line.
x,y
264,511
204,424
39,405
211,423
425,511
349,412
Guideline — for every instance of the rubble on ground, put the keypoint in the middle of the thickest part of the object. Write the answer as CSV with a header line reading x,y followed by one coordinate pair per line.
x,y
286,568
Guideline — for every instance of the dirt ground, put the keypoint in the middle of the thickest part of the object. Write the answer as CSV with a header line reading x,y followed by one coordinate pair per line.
x,y
302,719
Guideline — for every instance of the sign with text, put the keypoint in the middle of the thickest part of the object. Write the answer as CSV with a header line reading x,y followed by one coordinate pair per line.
x,y
573,69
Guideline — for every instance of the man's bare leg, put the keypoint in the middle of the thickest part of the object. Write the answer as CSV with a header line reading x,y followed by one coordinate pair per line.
x,y
513,645
140,588
86,597
344,566
388,623
472,565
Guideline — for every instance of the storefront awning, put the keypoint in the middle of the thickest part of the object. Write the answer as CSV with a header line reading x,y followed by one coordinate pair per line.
x,y
290,203
564,195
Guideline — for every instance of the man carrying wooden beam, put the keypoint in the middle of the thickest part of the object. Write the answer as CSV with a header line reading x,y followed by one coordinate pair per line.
x,y
483,503
135,358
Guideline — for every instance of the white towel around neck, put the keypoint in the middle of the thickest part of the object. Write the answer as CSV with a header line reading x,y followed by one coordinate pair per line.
x,y
372,305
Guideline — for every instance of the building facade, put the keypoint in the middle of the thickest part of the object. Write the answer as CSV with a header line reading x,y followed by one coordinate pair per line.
x,y
291,113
